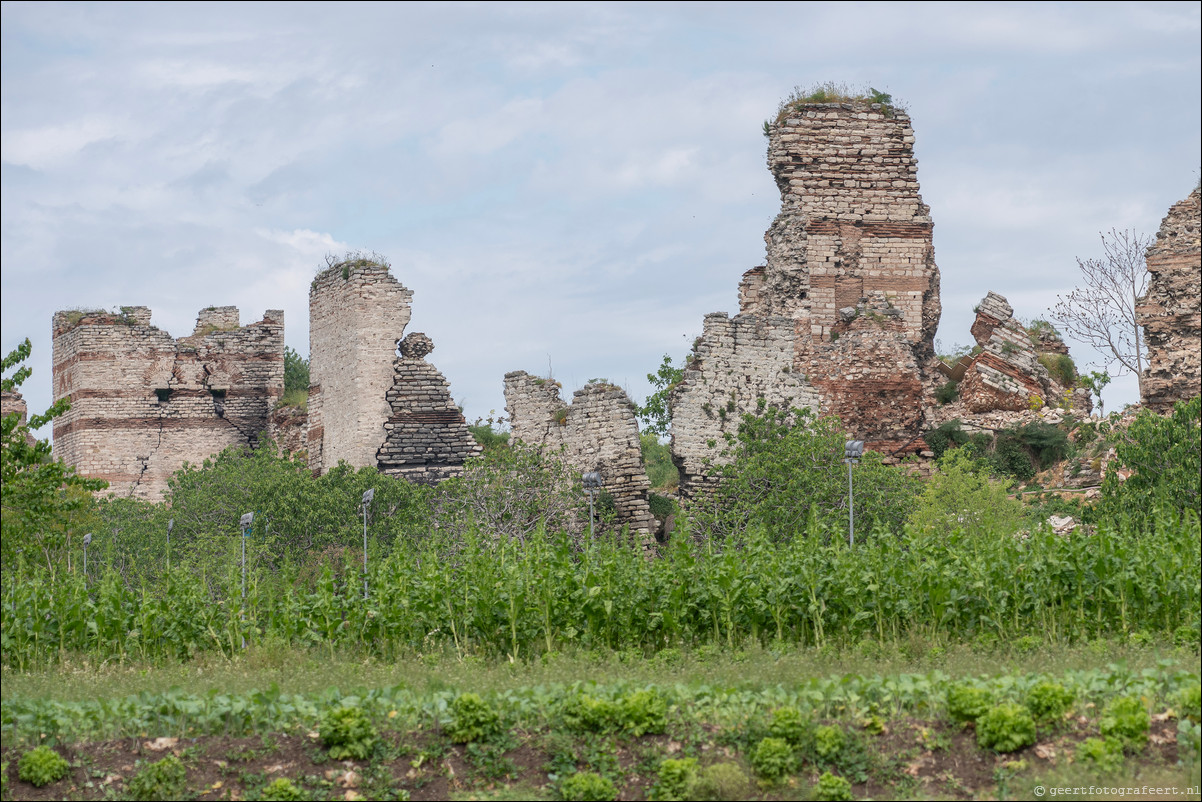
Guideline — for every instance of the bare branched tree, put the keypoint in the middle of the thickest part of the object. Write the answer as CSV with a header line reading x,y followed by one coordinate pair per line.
x,y
1101,314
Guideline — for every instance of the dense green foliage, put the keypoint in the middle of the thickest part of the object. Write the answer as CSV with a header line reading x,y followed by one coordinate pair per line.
x,y
587,786
963,496
472,719
657,459
40,496
830,787
1126,719
1165,454
42,766
281,789
296,371
788,479
348,733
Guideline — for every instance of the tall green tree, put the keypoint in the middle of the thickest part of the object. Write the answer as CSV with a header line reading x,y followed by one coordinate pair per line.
x,y
38,494
656,411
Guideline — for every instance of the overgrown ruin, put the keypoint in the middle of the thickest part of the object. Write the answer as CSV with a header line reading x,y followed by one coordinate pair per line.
x,y
144,403
597,432
1171,311
369,406
842,316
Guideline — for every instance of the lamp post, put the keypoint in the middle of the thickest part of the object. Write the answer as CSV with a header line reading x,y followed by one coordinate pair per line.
x,y
244,523
368,495
592,486
86,540
170,526
852,451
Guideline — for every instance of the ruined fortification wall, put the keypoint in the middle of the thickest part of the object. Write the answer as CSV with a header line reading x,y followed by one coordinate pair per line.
x,y
735,362
597,432
427,436
1171,312
143,403
357,314
842,316
14,404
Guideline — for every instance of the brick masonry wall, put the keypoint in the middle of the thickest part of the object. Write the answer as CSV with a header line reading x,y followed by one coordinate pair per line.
x,y
597,432
427,436
357,314
143,403
1171,311
842,316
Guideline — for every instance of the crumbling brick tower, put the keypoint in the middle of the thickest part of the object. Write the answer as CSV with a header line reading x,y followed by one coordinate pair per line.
x,y
1171,311
357,313
850,282
143,403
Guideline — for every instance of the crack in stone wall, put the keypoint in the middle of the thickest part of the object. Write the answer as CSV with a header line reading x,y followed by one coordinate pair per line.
x,y
143,403
1171,311
597,432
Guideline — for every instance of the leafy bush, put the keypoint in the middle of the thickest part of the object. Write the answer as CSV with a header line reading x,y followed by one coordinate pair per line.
x,y
473,719
1049,701
1046,442
676,779
42,766
585,786
828,741
788,472
790,724
1006,728
1105,753
657,460
947,393
961,495
163,779
1126,718
951,435
1061,368
833,788
296,371
282,789
1166,455
773,759
348,733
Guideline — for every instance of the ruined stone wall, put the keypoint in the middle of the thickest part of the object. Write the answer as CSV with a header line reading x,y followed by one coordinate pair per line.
x,y
597,432
735,362
1171,311
357,314
143,403
842,316
427,436
14,403
288,427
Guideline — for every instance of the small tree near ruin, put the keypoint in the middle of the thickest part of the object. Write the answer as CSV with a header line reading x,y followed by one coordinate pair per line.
x,y
1101,314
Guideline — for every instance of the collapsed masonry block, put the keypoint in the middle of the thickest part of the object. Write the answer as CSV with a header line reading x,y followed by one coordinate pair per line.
x,y
143,403
427,436
597,432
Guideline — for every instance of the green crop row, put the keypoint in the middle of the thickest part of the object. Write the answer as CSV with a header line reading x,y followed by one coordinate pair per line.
x,y
518,600
178,713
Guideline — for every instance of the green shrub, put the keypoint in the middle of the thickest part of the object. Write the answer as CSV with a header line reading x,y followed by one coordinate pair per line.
x,y
790,724
473,719
1046,442
676,779
348,733
42,766
833,788
1049,701
163,779
1061,368
282,789
1105,753
721,781
644,712
1006,728
1188,702
637,713
657,460
828,741
947,393
962,496
585,786
773,759
1126,718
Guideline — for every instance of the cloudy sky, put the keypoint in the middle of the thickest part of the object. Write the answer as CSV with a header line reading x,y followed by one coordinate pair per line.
x,y
564,187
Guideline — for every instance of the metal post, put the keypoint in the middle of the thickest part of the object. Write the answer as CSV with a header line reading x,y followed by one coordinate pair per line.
x,y
590,514
592,485
245,523
86,540
368,495
851,510
170,526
